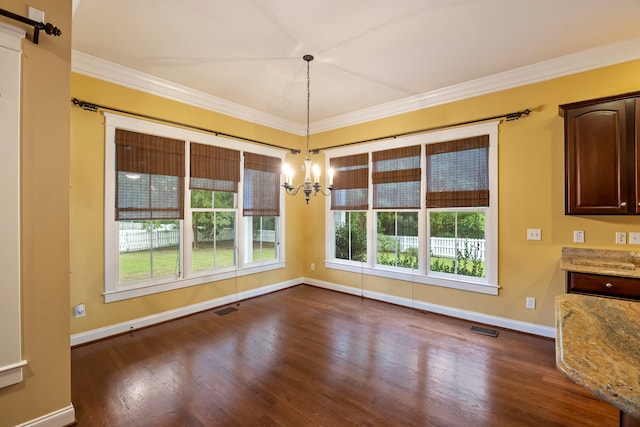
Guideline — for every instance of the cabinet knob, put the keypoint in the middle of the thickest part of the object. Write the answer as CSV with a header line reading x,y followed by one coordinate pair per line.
x,y
608,285
623,204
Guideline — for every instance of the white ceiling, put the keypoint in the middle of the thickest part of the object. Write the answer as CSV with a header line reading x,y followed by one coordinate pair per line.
x,y
368,53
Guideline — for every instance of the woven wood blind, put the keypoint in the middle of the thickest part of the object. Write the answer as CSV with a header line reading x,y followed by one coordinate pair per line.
x,y
214,168
261,185
350,182
150,176
458,173
396,178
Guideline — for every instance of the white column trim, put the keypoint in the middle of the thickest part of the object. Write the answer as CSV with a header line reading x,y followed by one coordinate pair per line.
x,y
11,362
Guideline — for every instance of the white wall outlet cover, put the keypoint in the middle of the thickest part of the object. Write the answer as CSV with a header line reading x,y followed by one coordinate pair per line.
x,y
578,236
79,310
534,234
36,14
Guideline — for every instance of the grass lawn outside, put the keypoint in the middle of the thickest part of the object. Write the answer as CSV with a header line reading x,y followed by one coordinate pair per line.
x,y
136,266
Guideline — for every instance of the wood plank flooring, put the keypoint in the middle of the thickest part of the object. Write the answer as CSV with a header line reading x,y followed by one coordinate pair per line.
x,y
311,357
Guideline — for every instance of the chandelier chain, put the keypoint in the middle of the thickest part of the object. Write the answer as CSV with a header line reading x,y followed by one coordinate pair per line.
x,y
308,105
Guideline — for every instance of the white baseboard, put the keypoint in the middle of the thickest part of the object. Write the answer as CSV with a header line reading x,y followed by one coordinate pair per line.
x,y
516,325
59,418
119,328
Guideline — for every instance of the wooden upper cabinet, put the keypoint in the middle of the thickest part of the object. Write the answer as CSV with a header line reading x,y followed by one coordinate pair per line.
x,y
601,157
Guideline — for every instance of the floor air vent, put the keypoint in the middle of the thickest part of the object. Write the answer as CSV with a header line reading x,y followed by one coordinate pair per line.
x,y
484,331
226,310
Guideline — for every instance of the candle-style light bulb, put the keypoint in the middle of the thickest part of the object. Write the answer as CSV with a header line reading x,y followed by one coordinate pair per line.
x,y
316,174
287,171
331,172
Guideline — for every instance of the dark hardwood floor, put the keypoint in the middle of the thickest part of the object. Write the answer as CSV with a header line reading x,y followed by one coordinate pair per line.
x,y
310,357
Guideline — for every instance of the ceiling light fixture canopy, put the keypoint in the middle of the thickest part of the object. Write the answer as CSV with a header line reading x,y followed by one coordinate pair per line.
x,y
308,187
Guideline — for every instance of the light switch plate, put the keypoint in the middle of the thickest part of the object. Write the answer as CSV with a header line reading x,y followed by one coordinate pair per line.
x,y
634,238
531,303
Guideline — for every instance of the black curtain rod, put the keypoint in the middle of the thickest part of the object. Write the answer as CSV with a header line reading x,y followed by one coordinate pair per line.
x,y
48,28
88,106
508,117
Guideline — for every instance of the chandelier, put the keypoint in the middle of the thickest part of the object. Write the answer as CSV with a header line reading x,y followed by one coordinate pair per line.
x,y
308,187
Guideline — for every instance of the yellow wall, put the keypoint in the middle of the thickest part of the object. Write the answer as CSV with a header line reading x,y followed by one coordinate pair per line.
x,y
87,205
45,219
531,195
531,185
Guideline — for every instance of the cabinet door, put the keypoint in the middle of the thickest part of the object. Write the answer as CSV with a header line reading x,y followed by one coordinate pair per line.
x,y
596,159
636,160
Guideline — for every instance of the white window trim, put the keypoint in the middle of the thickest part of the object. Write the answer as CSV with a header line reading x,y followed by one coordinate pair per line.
x,y
113,291
489,285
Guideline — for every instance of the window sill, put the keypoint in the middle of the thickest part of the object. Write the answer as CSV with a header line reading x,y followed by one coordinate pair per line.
x,y
123,292
402,274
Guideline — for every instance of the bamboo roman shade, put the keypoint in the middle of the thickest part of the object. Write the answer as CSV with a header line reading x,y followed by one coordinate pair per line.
x,y
396,178
150,176
458,173
261,185
214,168
350,182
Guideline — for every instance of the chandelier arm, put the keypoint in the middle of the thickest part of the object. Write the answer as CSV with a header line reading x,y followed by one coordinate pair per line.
x,y
317,188
291,190
321,191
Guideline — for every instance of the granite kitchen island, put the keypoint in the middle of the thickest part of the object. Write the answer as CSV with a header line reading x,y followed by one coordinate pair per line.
x,y
598,347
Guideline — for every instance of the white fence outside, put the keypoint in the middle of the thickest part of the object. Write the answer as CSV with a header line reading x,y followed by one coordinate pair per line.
x,y
443,247
265,236
139,240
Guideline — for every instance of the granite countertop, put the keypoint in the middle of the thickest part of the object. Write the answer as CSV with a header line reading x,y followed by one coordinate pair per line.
x,y
598,347
600,261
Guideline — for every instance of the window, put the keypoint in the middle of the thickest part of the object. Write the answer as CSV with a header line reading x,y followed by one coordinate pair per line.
x,y
214,177
396,180
149,205
433,213
350,235
261,206
397,239
163,232
457,198
263,240
349,197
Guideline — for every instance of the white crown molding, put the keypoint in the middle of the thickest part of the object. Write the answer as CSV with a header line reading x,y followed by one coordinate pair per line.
x,y
570,64
558,67
91,66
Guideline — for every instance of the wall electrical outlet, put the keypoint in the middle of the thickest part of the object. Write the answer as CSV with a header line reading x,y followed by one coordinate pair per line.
x,y
621,238
79,310
531,303
634,238
534,234
312,266
578,236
